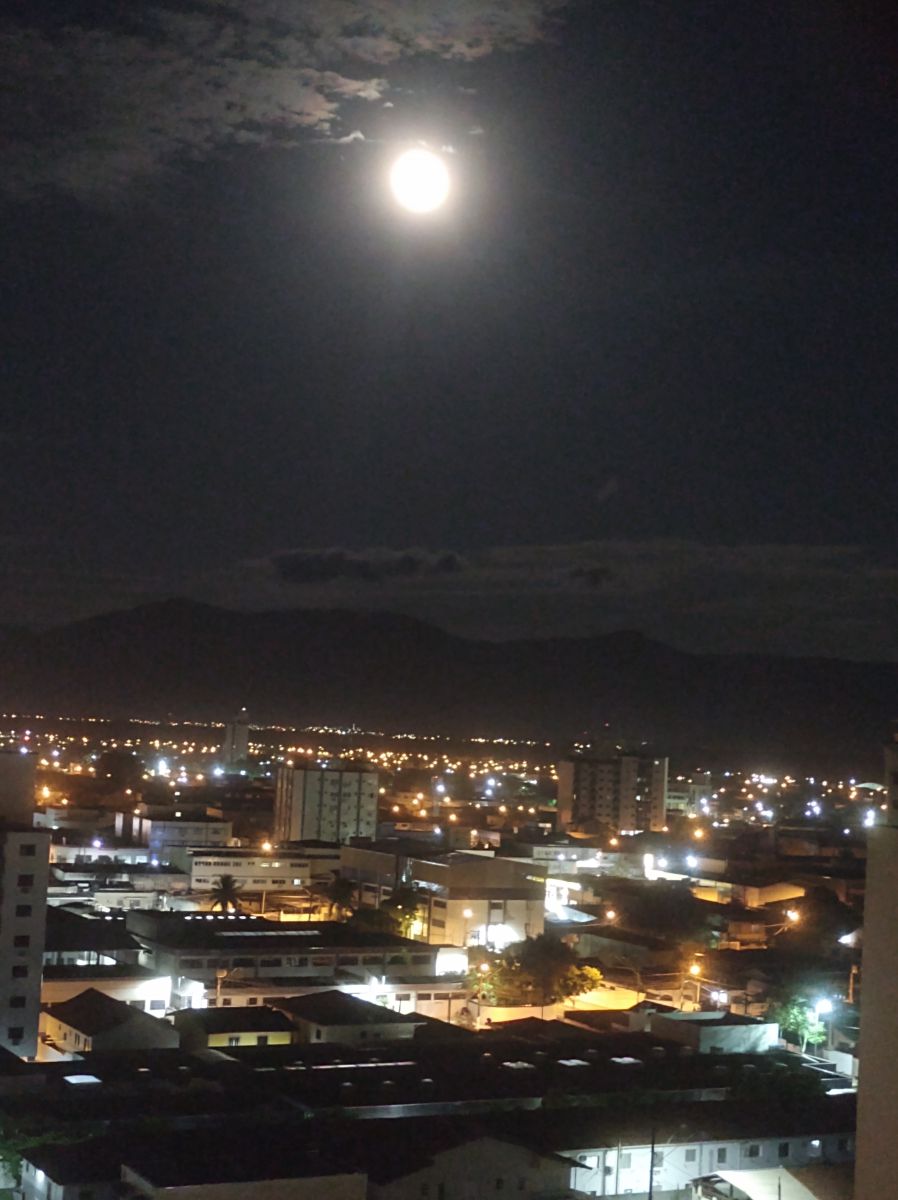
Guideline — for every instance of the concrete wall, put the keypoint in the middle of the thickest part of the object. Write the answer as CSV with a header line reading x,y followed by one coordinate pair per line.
x,y
154,993
351,1035
276,1037
708,1033
877,1128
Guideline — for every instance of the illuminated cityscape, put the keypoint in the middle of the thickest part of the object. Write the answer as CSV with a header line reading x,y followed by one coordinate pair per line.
x,y
448,695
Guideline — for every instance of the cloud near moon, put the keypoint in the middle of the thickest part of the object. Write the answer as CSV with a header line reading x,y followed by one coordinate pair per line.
x,y
91,109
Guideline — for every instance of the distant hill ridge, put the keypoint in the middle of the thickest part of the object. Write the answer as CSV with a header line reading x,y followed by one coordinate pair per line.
x,y
389,671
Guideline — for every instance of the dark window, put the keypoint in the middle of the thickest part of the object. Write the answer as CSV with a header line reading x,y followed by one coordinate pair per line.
x,y
420,958
784,1149
403,996
15,1033
323,960
626,1160
25,881
136,1004
245,962
23,910
253,1000
317,1035
262,1039
437,923
657,1159
191,962
721,1154
691,1154
211,1003
271,962
21,941
156,1005
226,1003
844,1144
234,1040
753,1151
28,850
17,1002
20,971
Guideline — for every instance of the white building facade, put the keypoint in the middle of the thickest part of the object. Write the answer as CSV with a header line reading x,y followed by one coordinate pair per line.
x,y
324,804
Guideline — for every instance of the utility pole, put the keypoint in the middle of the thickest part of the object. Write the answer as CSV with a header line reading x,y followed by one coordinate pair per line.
x,y
652,1166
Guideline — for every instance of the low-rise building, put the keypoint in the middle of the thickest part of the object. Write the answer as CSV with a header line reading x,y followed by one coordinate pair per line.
x,y
203,947
160,834
94,1021
335,1016
135,985
466,899
253,870
74,939
227,1028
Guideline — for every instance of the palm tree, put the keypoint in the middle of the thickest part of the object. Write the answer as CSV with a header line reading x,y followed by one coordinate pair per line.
x,y
340,893
226,894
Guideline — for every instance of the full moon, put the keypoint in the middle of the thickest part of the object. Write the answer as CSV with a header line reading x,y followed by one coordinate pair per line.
x,y
419,180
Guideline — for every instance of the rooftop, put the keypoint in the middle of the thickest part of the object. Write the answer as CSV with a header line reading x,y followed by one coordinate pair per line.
x,y
339,1008
243,1019
92,1012
245,932
67,931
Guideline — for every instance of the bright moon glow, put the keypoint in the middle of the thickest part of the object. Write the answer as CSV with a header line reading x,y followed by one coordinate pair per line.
x,y
419,180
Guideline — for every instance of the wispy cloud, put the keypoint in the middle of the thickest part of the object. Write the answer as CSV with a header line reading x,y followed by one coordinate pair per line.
x,y
90,109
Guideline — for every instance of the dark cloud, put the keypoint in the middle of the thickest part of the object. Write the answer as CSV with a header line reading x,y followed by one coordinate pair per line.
x,y
840,601
88,108
836,601
326,566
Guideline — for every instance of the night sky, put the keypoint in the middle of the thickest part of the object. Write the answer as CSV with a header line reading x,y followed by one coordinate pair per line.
x,y
639,373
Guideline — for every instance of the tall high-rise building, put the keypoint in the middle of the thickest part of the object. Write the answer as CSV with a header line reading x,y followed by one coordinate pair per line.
x,y
614,789
326,804
24,870
876,1165
235,748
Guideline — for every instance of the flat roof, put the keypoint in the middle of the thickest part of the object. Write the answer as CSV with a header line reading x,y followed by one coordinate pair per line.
x,y
67,931
206,931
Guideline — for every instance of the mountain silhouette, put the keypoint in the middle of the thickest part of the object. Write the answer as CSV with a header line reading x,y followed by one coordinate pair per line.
x,y
392,672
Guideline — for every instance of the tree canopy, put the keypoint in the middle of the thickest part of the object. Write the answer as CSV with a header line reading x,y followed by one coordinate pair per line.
x,y
540,970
